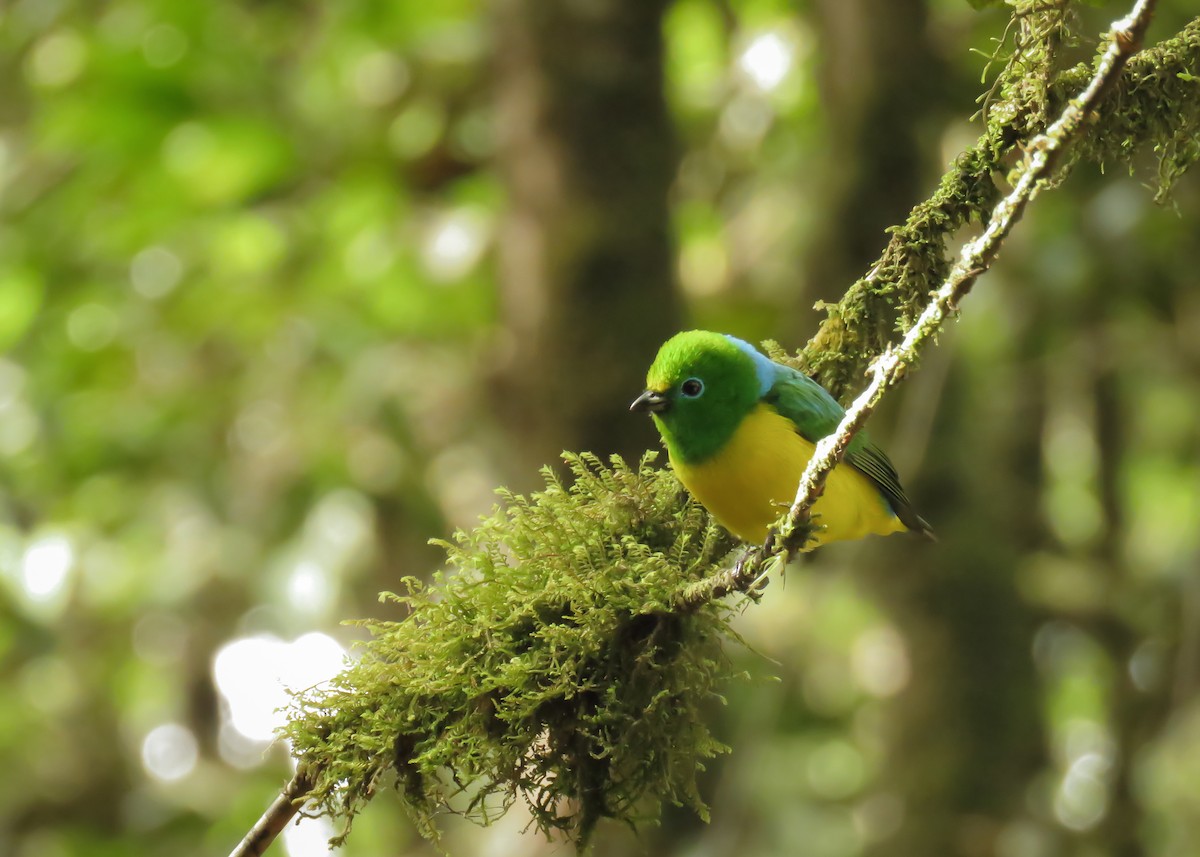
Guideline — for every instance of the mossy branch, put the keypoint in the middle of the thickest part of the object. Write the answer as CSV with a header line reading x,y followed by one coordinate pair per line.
x,y
1043,154
1154,103
567,658
548,666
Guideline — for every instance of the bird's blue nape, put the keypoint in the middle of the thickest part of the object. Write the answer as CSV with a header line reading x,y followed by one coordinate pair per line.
x,y
765,368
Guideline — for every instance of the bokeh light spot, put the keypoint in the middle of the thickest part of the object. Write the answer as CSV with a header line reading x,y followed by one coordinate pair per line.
x,y
155,272
378,78
45,567
18,427
309,838
57,59
170,752
704,266
254,675
12,382
309,588
1082,800
92,326
261,427
340,526
767,60
416,129
454,243
187,148
880,662
744,122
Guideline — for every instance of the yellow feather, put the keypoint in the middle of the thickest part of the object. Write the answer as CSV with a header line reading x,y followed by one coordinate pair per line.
x,y
753,479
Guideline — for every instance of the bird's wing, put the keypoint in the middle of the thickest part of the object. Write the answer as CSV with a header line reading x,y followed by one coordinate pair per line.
x,y
817,414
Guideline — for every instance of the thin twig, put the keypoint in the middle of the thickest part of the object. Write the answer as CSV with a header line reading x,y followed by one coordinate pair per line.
x,y
1124,40
276,818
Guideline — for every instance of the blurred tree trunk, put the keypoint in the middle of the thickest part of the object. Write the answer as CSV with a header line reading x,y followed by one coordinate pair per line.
x,y
587,287
1136,714
879,74
965,737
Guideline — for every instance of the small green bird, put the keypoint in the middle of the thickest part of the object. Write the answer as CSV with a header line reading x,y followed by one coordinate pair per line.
x,y
740,429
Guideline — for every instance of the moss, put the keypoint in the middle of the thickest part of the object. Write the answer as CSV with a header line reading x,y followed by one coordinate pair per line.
x,y
1155,105
546,666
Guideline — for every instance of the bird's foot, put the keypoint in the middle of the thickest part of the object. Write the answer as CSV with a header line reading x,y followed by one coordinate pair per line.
x,y
753,590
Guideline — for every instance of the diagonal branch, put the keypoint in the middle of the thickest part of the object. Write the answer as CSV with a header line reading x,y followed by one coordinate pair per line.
x,y
1155,101
276,818
1124,40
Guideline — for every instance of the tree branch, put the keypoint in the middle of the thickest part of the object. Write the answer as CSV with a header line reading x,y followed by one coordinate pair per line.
x,y
276,818
1043,153
1155,101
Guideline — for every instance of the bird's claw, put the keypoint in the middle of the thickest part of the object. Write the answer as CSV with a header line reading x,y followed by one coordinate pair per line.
x,y
754,589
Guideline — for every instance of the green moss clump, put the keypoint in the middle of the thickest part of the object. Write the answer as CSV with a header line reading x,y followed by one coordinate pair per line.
x,y
547,667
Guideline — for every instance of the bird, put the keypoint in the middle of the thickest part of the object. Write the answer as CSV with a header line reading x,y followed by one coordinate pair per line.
x,y
739,430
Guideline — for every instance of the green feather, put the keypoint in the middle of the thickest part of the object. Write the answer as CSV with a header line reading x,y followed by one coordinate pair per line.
x,y
817,414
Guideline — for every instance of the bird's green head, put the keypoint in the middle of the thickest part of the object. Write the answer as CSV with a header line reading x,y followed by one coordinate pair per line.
x,y
699,388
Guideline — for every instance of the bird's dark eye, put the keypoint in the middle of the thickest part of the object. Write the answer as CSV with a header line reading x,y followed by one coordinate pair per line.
x,y
692,387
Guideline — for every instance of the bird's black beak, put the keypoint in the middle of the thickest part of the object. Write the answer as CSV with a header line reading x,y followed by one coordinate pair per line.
x,y
650,401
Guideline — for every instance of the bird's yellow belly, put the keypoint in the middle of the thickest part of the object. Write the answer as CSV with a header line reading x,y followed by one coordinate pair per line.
x,y
753,480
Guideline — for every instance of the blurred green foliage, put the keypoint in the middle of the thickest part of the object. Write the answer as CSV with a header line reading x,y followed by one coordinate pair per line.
x,y
246,304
